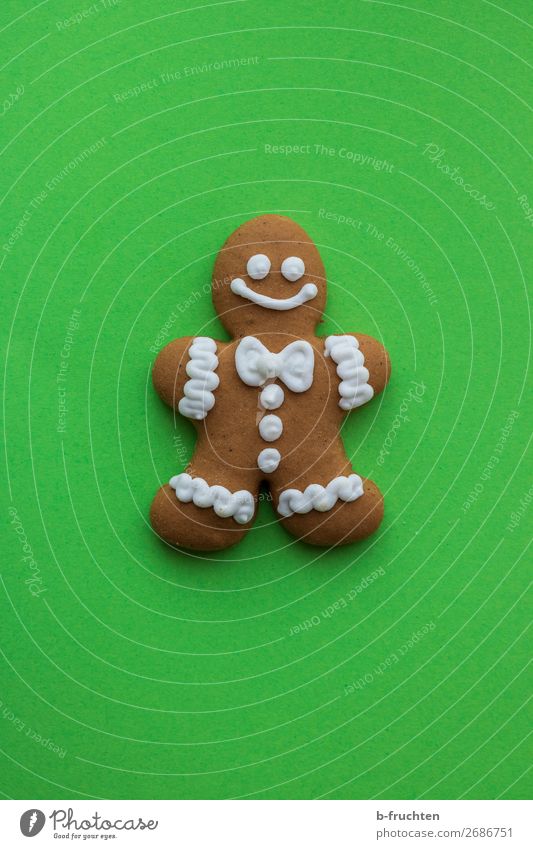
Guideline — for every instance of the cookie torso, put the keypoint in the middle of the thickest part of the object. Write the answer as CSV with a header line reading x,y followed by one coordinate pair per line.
x,y
249,427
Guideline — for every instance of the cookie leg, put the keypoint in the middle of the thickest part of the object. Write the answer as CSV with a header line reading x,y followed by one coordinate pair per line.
x,y
335,511
194,512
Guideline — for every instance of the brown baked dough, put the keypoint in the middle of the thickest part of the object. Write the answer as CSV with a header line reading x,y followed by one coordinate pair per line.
x,y
229,441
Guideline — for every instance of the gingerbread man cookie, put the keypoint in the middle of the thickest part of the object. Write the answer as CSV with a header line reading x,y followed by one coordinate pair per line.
x,y
268,405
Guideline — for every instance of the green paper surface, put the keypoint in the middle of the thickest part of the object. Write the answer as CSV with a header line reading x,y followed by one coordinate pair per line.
x,y
135,137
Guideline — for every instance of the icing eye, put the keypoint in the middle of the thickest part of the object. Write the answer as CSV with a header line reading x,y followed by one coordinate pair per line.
x,y
292,268
258,266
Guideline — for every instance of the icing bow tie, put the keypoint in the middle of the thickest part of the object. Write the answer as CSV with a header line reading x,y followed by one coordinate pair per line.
x,y
293,365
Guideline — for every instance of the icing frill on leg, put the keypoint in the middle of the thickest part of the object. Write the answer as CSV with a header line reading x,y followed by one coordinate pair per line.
x,y
318,497
238,505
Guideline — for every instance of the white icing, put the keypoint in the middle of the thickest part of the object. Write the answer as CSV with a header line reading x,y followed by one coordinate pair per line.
x,y
306,293
293,268
272,397
239,505
198,391
258,266
317,497
294,365
268,460
270,428
354,388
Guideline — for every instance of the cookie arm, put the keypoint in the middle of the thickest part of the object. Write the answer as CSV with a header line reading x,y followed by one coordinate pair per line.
x,y
377,361
362,366
185,375
168,374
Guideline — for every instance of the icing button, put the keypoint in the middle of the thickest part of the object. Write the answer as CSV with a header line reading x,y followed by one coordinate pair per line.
x,y
272,397
270,428
268,460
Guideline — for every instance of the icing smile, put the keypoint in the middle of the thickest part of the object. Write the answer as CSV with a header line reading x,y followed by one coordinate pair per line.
x,y
306,293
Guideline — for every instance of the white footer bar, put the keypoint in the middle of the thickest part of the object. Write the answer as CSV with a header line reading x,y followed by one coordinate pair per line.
x,y
268,824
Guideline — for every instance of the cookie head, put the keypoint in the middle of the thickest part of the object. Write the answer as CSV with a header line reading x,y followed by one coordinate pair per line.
x,y
269,277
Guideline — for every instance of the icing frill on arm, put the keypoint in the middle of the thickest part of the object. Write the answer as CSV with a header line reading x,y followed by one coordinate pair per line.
x,y
354,388
198,391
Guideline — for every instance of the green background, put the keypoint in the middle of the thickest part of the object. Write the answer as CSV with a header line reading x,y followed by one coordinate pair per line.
x,y
166,675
